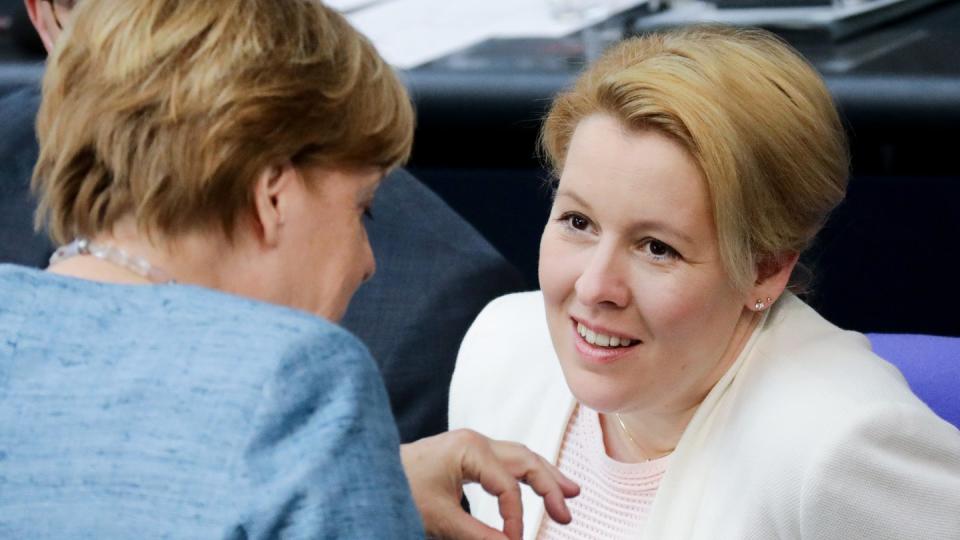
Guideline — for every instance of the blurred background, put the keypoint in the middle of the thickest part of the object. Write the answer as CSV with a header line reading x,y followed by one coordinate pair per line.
x,y
482,73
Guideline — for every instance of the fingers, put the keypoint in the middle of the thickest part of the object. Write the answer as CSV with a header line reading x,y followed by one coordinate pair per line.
x,y
554,502
541,477
498,466
511,510
545,479
555,492
568,487
484,466
436,469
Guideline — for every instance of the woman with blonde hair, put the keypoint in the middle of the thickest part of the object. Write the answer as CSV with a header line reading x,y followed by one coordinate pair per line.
x,y
177,371
665,365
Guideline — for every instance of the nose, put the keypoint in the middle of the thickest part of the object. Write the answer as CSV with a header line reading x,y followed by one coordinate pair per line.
x,y
603,279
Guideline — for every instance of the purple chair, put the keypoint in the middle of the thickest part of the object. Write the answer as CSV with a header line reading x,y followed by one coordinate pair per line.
x,y
931,365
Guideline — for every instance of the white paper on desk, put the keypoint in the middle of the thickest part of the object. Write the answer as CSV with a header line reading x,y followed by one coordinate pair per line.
x,y
409,33
539,23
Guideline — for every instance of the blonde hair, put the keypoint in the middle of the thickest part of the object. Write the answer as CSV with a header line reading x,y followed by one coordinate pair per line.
x,y
168,110
754,115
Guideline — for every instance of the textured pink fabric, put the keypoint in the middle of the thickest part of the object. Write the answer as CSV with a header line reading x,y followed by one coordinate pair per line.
x,y
615,498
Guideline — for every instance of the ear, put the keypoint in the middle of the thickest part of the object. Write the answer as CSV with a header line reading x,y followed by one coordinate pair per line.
x,y
773,274
269,200
40,16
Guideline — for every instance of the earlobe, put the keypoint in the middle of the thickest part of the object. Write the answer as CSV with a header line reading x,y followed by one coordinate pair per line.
x,y
761,304
773,275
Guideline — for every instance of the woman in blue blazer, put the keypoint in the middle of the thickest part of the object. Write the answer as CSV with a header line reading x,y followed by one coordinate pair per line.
x,y
207,168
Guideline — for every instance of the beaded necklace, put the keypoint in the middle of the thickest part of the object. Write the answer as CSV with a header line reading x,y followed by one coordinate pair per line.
x,y
117,256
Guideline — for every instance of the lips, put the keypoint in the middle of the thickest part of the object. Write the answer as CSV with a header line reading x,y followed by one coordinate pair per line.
x,y
602,340
600,345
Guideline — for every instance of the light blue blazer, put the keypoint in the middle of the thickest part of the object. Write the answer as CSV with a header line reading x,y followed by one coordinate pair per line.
x,y
179,412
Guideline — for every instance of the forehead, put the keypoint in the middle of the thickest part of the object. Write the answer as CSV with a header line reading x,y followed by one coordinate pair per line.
x,y
640,172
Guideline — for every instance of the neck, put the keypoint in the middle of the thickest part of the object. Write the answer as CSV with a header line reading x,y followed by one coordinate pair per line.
x,y
654,432
649,435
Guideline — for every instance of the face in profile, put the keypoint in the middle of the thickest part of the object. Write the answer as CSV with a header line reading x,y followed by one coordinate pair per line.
x,y
641,311
326,252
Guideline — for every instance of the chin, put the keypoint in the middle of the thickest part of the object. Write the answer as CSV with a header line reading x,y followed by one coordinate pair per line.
x,y
604,393
332,315
332,310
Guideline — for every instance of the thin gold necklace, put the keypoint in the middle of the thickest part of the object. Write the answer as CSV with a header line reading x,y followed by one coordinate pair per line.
x,y
634,442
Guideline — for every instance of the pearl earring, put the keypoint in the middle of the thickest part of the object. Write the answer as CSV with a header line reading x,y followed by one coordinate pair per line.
x,y
761,305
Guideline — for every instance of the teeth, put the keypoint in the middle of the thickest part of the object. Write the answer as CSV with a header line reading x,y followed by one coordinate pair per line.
x,y
601,340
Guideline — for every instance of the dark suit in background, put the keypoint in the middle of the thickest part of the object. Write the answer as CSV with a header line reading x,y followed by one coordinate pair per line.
x,y
18,152
434,273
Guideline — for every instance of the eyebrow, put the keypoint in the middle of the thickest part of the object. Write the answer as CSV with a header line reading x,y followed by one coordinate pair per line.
x,y
563,193
638,225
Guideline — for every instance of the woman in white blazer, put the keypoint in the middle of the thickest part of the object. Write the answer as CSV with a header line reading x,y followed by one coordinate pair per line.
x,y
664,365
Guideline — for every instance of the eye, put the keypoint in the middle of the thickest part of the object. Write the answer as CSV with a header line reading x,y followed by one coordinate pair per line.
x,y
658,250
575,221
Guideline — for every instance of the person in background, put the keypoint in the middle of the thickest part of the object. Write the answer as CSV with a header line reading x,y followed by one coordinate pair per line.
x,y
176,371
665,364
427,255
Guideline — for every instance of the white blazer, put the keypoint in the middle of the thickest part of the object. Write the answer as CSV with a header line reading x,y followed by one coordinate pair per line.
x,y
808,435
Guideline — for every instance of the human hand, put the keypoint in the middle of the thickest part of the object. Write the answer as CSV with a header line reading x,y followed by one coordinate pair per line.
x,y
438,466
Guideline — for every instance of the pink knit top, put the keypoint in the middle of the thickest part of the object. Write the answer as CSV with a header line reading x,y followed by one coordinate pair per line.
x,y
615,498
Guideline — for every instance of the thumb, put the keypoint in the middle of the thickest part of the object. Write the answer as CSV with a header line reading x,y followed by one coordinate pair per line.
x,y
461,525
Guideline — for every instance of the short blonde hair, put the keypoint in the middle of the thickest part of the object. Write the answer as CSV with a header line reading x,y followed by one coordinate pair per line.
x,y
752,113
168,110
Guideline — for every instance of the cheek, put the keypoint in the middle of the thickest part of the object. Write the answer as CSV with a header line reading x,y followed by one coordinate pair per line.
x,y
678,300
678,307
363,254
557,269
557,279
699,315
343,259
334,279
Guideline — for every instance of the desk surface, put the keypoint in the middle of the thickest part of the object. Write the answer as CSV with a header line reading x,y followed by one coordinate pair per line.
x,y
923,44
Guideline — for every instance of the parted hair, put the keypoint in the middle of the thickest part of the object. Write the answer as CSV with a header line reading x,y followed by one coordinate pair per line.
x,y
169,110
751,112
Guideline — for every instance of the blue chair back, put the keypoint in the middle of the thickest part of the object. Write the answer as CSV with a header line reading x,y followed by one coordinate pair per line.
x,y
931,365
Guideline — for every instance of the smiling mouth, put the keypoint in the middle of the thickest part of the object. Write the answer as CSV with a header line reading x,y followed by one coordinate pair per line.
x,y
607,341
